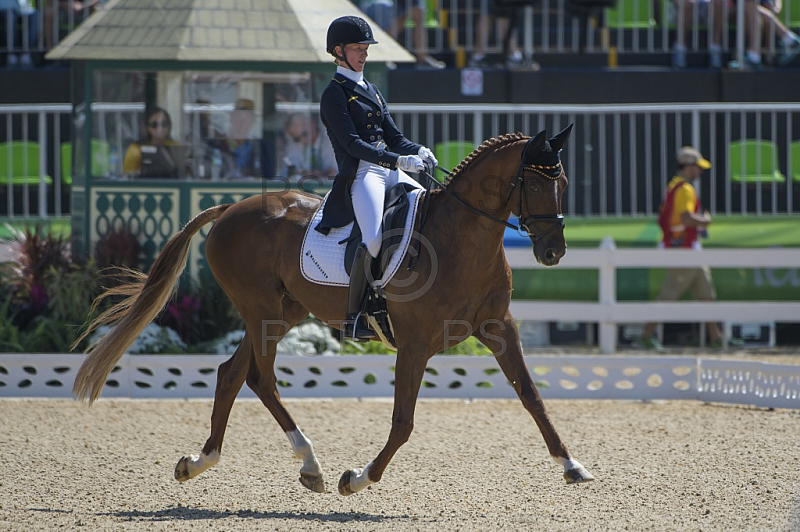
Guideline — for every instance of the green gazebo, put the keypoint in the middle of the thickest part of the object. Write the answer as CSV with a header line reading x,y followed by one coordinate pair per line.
x,y
197,59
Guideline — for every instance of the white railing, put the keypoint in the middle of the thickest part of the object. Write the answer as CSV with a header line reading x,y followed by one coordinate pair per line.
x,y
619,157
40,127
607,312
455,377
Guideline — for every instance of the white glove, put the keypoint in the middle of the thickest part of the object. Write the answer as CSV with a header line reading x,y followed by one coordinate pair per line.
x,y
410,163
429,159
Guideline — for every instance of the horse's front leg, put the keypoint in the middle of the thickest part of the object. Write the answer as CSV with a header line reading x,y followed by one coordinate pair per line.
x,y
409,371
502,337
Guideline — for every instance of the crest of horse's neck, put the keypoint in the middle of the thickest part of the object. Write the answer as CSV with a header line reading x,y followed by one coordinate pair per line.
x,y
482,187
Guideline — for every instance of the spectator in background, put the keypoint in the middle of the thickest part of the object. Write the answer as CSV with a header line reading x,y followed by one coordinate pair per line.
x,y
19,24
57,12
761,14
508,18
306,152
387,15
157,127
753,24
241,154
764,16
789,40
712,22
682,220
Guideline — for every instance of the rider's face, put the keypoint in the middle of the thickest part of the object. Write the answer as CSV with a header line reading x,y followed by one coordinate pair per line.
x,y
356,54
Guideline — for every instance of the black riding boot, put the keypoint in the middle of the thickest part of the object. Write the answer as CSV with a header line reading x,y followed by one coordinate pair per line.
x,y
355,324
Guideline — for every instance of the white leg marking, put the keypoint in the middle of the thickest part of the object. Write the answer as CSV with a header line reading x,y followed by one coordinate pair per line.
x,y
304,451
198,464
568,463
359,478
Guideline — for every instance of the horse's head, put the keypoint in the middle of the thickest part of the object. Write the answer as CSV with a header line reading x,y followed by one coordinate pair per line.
x,y
540,184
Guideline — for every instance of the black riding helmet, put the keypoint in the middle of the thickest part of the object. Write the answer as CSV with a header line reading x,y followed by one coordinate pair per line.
x,y
348,30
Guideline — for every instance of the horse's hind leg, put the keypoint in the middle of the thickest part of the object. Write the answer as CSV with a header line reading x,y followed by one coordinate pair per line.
x,y
230,377
261,379
503,339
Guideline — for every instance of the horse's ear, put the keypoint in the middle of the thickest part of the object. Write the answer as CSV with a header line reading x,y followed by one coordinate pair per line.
x,y
557,142
536,144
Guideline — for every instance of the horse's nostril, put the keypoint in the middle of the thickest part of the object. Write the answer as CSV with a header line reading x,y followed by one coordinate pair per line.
x,y
550,253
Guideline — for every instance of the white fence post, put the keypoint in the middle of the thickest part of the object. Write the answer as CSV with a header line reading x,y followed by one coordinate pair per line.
x,y
607,295
43,164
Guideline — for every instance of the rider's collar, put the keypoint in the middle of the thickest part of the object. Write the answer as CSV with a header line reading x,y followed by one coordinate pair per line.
x,y
357,77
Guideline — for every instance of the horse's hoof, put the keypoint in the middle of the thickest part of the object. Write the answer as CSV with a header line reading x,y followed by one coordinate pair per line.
x,y
315,484
344,484
579,474
182,469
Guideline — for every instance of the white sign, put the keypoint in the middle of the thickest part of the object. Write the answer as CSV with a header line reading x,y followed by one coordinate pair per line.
x,y
472,82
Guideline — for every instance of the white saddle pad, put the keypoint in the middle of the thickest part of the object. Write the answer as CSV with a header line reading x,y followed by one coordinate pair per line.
x,y
322,257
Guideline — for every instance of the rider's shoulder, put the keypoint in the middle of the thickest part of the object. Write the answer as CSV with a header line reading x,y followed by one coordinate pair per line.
x,y
335,87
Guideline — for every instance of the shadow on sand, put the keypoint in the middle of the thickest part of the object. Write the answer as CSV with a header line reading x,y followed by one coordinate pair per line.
x,y
183,513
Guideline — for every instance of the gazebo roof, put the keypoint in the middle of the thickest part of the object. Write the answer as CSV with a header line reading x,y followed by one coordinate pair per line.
x,y
291,31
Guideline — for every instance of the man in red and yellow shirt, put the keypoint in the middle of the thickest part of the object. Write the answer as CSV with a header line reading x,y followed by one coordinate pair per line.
x,y
681,220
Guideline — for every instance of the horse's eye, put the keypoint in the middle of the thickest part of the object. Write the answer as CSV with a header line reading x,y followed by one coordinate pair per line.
x,y
533,187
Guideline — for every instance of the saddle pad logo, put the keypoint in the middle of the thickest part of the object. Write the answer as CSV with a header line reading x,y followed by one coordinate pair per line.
x,y
317,264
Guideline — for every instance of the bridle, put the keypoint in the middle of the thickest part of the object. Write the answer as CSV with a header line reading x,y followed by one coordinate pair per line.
x,y
555,220
524,226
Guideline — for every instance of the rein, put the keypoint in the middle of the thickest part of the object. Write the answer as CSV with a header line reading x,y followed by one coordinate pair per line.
x,y
523,228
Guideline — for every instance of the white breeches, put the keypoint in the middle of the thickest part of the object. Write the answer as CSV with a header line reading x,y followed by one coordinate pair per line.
x,y
367,191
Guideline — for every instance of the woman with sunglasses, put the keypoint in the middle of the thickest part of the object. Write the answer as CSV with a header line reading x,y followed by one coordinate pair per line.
x,y
157,131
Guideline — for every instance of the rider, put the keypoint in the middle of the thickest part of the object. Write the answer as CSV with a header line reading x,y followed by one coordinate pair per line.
x,y
371,153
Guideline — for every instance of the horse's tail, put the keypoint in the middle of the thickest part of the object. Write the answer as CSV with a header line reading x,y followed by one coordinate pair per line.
x,y
146,296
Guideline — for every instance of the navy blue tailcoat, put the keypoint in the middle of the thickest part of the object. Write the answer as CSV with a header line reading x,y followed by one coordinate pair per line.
x,y
360,128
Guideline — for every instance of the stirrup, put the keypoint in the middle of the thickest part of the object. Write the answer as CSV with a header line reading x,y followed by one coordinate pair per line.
x,y
355,329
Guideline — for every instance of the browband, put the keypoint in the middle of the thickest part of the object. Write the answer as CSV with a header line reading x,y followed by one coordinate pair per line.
x,y
540,169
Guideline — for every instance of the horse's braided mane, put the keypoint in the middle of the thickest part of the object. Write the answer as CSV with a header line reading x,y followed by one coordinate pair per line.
x,y
483,149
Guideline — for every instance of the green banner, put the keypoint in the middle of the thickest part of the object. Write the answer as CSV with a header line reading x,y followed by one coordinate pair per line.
x,y
642,284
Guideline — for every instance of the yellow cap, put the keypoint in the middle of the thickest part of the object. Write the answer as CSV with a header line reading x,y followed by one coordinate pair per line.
x,y
689,155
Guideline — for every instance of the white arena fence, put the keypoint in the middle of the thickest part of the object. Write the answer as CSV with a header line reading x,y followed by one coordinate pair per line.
x,y
619,157
608,313
455,377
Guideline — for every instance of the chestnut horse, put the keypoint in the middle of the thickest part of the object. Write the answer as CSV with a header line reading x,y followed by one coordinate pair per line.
x,y
253,250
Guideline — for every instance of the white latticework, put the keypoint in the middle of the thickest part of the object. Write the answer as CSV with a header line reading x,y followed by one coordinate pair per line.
x,y
767,385
460,377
